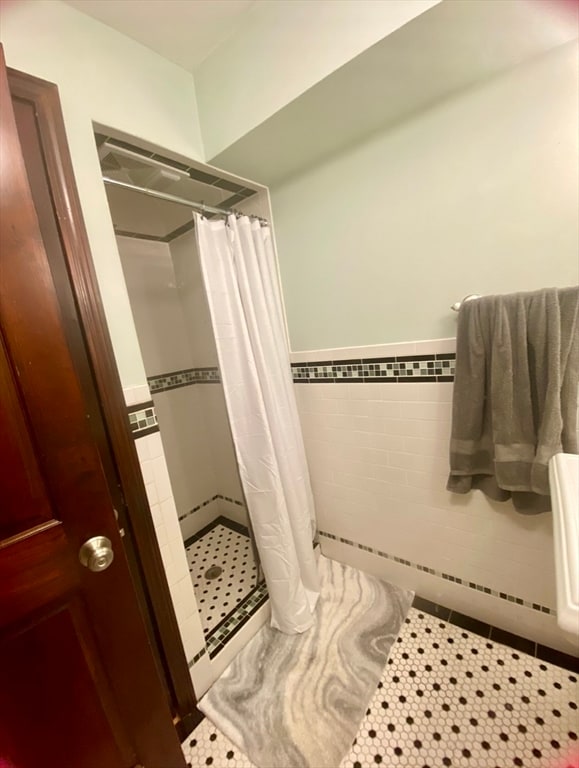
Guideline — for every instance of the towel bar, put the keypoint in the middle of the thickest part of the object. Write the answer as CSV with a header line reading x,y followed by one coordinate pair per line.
x,y
458,304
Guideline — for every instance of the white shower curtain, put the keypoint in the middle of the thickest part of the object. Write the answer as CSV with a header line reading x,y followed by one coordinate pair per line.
x,y
239,271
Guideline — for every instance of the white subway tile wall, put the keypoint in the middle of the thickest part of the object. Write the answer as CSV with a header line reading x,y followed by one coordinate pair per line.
x,y
166,522
219,441
209,510
378,458
185,437
192,522
204,671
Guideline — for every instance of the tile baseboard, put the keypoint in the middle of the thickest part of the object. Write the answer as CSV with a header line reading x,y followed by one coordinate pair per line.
x,y
516,642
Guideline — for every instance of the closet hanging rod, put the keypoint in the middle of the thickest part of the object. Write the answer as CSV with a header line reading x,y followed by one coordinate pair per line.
x,y
201,207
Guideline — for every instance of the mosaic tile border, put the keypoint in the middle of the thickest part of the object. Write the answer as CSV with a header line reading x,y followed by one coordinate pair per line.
x,y
223,632
208,501
442,575
197,656
142,419
164,382
403,368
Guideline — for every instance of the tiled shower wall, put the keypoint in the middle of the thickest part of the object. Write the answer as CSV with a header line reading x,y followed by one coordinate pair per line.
x,y
204,670
197,321
376,425
176,340
166,522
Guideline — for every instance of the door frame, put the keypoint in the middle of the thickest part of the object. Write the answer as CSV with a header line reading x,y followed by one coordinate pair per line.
x,y
140,538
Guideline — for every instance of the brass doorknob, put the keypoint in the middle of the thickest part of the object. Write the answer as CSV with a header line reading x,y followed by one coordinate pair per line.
x,y
96,554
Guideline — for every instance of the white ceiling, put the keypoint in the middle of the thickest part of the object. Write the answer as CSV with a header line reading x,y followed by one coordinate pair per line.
x,y
182,31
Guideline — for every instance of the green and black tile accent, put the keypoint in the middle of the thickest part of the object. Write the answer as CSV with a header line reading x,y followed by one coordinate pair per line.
x,y
163,382
442,575
197,656
404,368
142,419
217,639
208,501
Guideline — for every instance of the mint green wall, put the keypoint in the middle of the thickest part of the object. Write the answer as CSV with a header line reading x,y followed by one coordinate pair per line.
x,y
477,195
279,50
106,77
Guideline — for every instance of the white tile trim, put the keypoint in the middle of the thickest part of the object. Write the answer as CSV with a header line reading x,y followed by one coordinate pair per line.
x,y
392,349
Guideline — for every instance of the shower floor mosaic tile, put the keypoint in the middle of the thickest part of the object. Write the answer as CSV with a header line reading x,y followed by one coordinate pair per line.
x,y
229,549
448,697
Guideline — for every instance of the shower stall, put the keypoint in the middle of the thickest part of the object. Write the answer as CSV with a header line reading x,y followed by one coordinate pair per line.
x,y
158,251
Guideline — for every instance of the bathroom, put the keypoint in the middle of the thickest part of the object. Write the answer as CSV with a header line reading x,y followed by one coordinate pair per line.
x,y
460,177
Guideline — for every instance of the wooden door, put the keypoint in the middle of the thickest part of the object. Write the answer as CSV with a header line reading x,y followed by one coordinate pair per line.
x,y
78,683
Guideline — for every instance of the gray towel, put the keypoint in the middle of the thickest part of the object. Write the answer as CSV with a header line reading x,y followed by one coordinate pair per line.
x,y
515,394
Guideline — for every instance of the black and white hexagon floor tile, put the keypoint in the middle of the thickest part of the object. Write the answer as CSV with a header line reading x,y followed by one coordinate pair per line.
x,y
448,697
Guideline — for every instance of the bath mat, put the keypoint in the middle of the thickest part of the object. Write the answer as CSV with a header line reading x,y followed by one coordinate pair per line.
x,y
296,701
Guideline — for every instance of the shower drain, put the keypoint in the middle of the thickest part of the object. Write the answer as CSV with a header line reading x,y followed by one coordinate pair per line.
x,y
214,572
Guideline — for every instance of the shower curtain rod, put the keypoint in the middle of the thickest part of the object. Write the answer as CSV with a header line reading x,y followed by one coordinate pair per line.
x,y
201,207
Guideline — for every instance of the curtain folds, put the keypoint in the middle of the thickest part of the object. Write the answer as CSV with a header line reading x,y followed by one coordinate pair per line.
x,y
239,271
